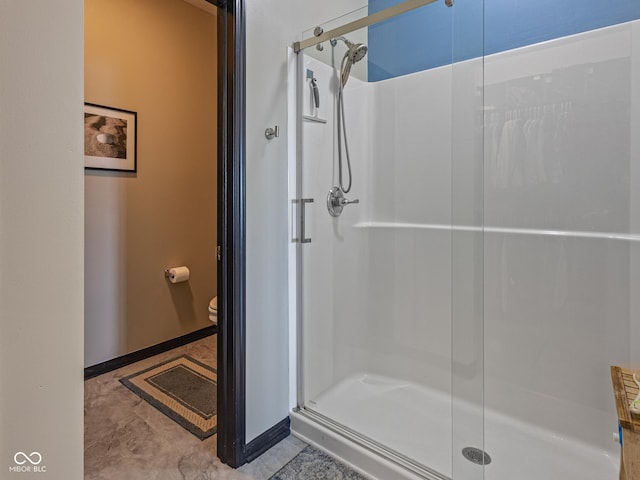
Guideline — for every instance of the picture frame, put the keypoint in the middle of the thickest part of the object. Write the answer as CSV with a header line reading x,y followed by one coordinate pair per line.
x,y
110,138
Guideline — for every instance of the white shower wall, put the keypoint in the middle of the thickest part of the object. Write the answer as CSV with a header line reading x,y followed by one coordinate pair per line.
x,y
335,261
561,251
409,211
559,239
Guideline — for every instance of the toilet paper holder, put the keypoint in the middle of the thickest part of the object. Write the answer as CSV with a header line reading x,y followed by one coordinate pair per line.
x,y
177,274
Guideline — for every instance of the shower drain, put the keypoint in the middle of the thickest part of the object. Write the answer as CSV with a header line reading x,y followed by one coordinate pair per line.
x,y
476,455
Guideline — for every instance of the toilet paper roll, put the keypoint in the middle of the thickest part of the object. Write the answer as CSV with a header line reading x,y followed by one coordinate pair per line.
x,y
178,274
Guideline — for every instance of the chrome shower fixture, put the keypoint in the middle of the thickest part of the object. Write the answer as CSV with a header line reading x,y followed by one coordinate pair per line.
x,y
355,52
336,201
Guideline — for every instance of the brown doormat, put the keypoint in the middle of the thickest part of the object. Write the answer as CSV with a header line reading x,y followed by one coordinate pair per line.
x,y
183,389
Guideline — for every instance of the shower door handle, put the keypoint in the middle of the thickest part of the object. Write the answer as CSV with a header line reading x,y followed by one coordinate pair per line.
x,y
302,237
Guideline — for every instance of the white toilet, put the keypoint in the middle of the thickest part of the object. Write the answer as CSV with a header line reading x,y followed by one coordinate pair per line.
x,y
213,310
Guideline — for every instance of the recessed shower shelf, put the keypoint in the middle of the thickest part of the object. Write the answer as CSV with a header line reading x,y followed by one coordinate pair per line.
x,y
314,119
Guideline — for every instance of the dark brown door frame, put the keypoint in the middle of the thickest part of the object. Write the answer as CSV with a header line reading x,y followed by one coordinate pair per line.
x,y
231,232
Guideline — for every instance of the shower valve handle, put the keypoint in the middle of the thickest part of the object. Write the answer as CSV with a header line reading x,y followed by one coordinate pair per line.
x,y
336,201
344,201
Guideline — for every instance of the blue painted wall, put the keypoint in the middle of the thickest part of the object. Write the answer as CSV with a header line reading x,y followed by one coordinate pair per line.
x,y
436,35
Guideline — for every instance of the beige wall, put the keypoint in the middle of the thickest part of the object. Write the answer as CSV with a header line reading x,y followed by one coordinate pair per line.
x,y
41,235
158,58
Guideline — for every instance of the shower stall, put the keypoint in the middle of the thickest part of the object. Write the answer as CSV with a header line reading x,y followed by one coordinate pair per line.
x,y
465,237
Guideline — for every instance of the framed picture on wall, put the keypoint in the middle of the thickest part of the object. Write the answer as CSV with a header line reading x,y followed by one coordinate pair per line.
x,y
109,138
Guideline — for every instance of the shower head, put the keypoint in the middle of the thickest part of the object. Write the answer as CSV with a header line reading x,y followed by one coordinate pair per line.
x,y
355,52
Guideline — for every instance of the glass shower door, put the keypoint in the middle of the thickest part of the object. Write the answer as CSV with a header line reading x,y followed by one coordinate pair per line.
x,y
385,348
469,458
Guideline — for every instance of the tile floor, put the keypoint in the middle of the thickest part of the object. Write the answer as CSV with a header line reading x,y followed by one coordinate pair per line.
x,y
126,438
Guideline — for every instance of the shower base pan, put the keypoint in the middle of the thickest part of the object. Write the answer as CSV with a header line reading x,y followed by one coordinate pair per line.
x,y
386,428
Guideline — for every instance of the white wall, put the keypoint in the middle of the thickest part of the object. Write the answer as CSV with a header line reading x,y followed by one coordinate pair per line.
x,y
634,198
272,26
41,235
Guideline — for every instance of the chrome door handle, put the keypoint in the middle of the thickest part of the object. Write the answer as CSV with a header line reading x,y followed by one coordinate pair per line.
x,y
302,237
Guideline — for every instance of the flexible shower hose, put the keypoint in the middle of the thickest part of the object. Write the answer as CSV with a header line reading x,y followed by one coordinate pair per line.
x,y
342,131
